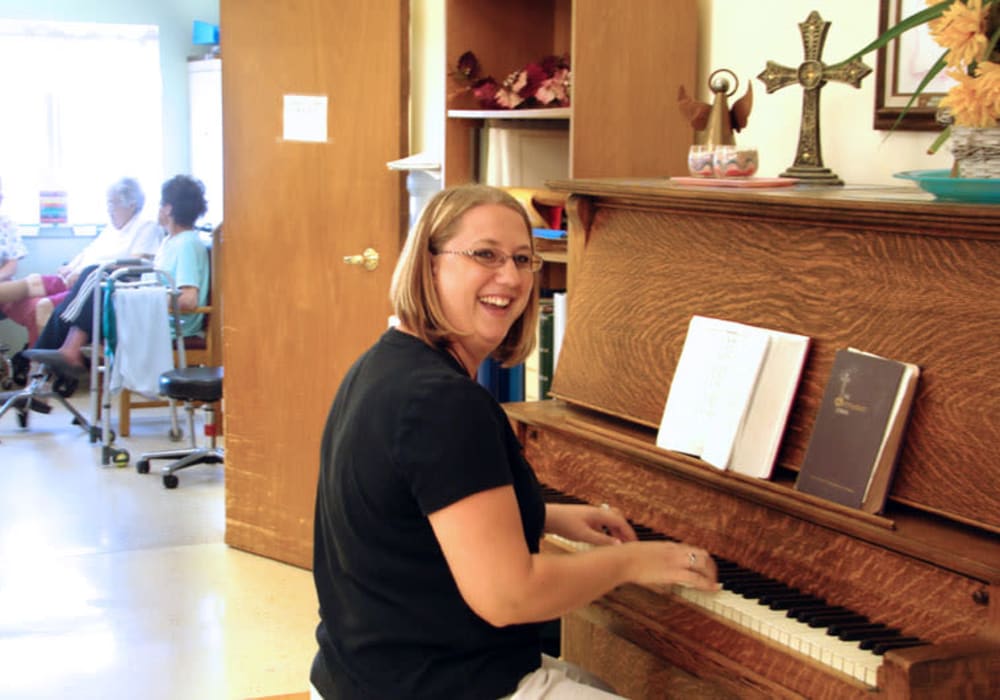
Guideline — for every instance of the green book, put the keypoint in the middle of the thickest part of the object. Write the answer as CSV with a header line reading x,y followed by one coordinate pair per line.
x,y
545,345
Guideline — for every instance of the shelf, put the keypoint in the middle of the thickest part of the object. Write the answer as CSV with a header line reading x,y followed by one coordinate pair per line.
x,y
517,114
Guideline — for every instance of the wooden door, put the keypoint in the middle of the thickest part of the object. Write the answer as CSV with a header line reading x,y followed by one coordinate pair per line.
x,y
295,315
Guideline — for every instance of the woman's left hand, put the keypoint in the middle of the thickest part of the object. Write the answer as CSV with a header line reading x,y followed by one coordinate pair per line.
x,y
590,524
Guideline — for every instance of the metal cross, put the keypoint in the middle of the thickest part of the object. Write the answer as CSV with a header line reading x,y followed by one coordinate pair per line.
x,y
812,75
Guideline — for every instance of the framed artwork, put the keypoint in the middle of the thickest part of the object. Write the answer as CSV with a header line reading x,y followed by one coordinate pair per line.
x,y
901,65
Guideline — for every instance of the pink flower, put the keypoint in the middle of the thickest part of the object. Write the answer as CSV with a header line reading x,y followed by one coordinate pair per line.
x,y
509,94
531,78
486,92
554,90
543,83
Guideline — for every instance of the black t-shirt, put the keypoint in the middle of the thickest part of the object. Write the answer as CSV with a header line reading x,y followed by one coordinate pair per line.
x,y
409,433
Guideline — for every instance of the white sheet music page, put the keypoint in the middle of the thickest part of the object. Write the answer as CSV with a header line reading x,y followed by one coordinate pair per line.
x,y
712,388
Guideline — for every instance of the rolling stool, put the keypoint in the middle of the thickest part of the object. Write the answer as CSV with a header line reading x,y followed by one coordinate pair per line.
x,y
190,385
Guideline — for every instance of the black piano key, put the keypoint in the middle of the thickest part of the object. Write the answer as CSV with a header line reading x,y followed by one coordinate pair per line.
x,y
725,563
756,591
901,643
765,585
871,642
857,635
732,582
795,604
759,593
788,592
835,628
807,613
838,621
740,573
741,584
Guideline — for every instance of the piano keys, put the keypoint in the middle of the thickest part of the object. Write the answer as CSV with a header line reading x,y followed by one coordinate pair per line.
x,y
799,622
820,600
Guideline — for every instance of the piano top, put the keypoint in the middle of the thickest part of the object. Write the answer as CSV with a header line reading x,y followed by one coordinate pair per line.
x,y
890,207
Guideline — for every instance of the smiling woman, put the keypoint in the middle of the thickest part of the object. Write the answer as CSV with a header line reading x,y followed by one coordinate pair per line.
x,y
428,518
86,107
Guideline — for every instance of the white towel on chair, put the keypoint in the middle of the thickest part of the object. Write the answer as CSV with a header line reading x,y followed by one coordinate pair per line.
x,y
144,350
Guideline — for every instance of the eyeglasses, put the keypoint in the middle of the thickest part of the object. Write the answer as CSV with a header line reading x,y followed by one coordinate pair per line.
x,y
493,258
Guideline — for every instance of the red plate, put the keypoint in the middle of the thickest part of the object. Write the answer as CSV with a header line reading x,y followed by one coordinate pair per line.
x,y
736,181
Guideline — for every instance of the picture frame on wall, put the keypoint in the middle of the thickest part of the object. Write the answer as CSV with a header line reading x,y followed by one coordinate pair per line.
x,y
900,66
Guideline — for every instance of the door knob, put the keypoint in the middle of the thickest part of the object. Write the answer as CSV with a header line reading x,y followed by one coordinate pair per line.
x,y
369,259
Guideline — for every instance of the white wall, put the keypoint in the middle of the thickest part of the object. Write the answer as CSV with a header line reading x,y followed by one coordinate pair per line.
x,y
742,36
427,69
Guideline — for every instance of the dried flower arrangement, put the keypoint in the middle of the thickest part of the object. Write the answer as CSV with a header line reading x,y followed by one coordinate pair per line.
x,y
545,83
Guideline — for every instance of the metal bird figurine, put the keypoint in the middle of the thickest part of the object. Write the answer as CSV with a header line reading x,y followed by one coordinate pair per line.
x,y
718,120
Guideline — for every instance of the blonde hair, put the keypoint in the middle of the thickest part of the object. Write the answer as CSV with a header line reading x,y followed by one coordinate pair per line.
x,y
413,295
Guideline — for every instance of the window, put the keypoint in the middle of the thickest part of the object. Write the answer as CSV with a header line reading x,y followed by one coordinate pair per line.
x,y
81,108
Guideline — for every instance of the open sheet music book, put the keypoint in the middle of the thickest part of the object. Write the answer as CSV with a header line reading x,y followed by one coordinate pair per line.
x,y
731,394
859,430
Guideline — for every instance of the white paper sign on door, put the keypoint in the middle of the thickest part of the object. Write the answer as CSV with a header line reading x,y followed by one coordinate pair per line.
x,y
304,118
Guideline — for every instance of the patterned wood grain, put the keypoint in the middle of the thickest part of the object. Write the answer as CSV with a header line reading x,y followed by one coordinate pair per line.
x,y
650,644
896,276
888,587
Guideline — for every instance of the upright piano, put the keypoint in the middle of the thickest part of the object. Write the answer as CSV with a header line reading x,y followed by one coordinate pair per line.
x,y
885,270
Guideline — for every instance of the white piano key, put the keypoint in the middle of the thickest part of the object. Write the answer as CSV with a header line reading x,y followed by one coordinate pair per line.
x,y
846,657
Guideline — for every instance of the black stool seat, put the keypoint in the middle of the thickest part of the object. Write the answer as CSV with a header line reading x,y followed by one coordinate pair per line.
x,y
192,384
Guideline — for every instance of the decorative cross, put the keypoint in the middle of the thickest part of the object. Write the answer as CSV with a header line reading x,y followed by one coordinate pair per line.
x,y
812,75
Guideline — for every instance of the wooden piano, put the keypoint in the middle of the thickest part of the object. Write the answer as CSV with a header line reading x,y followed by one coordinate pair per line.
x,y
886,270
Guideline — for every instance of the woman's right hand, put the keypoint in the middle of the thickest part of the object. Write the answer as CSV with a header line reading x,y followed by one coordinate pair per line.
x,y
668,563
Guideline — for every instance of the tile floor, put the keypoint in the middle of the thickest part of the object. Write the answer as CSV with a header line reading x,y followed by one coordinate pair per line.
x,y
113,587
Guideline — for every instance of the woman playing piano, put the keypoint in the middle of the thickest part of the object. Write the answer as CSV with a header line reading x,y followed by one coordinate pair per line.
x,y
428,519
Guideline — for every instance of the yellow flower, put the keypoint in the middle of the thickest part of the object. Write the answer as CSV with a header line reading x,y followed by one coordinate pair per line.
x,y
988,75
970,100
961,30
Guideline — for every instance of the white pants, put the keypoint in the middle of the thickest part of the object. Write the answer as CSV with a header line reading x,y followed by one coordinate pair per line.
x,y
561,680
555,680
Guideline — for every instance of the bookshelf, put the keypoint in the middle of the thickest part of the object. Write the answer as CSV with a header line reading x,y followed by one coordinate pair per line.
x,y
628,60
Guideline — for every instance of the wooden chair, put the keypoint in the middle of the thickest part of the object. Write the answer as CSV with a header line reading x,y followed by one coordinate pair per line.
x,y
206,351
